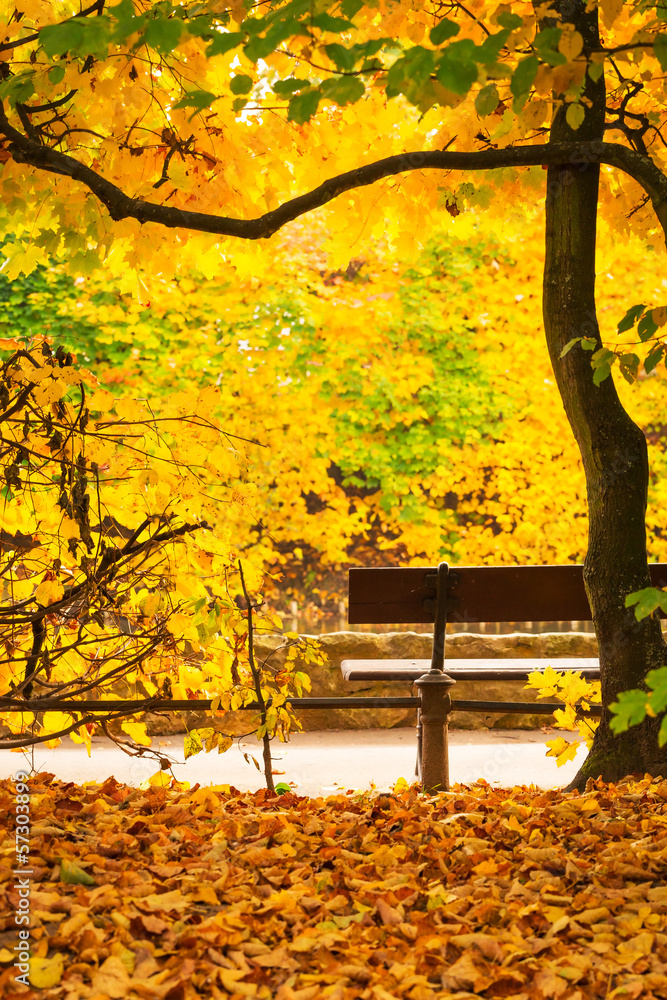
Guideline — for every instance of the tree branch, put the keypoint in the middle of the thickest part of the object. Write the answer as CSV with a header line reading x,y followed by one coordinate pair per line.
x,y
120,206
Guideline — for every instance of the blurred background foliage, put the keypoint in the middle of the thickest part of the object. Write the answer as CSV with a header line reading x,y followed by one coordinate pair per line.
x,y
398,412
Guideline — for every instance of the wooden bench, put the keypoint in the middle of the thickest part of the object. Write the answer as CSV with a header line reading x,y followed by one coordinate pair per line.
x,y
470,594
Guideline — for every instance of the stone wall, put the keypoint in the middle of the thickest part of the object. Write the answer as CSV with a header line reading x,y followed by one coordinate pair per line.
x,y
328,681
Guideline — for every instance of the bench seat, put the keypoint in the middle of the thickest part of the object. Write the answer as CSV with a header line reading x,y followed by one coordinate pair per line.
x,y
465,670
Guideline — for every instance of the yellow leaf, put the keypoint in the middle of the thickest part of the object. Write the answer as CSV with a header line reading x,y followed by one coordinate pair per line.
x,y
562,750
401,786
55,721
137,732
570,45
49,592
68,529
151,604
230,980
20,260
46,972
88,377
9,344
513,824
610,11
158,780
82,737
50,391
178,624
130,409
486,867
111,979
101,401
659,315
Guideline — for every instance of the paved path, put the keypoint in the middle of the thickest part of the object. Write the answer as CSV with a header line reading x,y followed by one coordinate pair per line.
x,y
319,763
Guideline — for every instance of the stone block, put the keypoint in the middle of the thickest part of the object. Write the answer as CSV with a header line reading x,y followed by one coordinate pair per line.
x,y
327,680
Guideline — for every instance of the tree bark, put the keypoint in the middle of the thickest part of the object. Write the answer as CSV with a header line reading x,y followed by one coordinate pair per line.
x,y
613,448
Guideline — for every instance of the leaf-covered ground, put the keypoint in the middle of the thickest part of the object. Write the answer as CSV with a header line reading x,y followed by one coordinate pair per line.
x,y
210,892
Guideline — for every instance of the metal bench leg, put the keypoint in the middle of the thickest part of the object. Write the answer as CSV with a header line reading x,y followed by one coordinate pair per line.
x,y
418,765
435,708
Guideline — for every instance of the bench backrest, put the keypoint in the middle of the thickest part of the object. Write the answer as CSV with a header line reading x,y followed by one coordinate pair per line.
x,y
474,594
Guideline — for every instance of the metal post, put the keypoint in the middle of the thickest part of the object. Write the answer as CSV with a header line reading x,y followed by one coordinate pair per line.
x,y
434,712
436,703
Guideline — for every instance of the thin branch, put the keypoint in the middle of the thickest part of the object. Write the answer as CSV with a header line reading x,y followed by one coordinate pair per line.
x,y
257,681
120,206
50,106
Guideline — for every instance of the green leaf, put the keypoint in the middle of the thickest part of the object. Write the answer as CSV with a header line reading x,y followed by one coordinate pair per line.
x,y
546,46
653,358
568,347
595,70
367,49
629,365
410,74
589,343
258,47
444,30
282,788
56,39
325,22
57,74
601,373
524,76
657,681
96,36
285,88
73,875
646,327
254,25
647,600
18,88
241,84
662,732
343,58
239,104
224,41
303,107
630,318
660,50
126,22
455,72
489,51
511,21
575,115
351,7
344,90
163,34
487,100
197,99
628,710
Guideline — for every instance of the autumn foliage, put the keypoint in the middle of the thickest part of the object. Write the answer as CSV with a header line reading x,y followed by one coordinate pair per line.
x,y
399,414
176,892
119,571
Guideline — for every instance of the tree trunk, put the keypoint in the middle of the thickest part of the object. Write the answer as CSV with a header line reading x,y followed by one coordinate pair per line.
x,y
613,448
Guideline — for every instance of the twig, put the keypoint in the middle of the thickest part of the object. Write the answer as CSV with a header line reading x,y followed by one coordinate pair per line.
x,y
266,752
